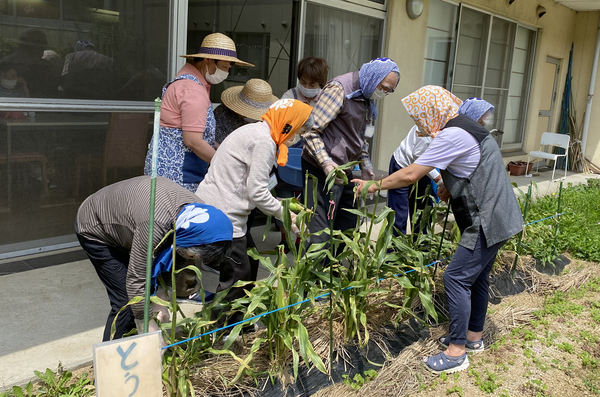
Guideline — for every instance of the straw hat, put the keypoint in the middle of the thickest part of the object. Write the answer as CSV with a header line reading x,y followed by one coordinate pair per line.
x,y
220,47
251,100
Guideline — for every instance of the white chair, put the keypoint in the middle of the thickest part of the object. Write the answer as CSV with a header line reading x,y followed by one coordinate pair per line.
x,y
551,139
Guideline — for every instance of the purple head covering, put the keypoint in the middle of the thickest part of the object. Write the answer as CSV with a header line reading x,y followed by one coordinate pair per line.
x,y
82,45
474,108
370,75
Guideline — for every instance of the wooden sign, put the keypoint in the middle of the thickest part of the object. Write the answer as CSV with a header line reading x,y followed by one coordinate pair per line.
x,y
129,367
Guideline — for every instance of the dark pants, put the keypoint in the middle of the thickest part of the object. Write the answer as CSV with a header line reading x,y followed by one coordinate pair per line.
x,y
343,196
238,266
402,200
111,266
466,281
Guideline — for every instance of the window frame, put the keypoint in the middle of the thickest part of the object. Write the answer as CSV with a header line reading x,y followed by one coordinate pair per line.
x,y
359,9
175,47
530,65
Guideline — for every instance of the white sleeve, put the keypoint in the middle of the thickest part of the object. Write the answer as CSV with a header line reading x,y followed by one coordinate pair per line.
x,y
433,174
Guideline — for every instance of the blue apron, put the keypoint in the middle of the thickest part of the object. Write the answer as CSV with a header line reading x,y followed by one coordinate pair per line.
x,y
175,160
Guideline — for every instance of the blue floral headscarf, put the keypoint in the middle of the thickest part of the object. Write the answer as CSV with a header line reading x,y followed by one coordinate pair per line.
x,y
475,108
370,75
197,224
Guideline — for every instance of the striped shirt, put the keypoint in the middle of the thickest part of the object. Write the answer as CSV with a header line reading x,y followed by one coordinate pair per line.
x,y
117,216
326,110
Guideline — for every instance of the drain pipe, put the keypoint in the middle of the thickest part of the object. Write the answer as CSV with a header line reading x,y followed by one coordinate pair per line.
x,y
590,98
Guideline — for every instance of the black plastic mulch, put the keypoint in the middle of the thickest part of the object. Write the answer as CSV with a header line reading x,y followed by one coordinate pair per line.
x,y
361,360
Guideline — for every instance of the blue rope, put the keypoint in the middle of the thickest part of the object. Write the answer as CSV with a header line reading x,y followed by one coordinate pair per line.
x,y
318,297
285,307
539,220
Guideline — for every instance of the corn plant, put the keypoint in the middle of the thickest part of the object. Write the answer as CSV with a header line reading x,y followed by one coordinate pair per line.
x,y
285,298
412,253
358,264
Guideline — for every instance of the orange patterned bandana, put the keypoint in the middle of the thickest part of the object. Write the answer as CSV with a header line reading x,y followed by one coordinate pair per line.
x,y
285,117
431,107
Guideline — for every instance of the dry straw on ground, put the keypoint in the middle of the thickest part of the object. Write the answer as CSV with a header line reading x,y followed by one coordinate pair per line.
x,y
404,374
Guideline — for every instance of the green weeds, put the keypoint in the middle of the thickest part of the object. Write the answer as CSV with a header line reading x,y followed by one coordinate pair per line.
x,y
359,380
60,384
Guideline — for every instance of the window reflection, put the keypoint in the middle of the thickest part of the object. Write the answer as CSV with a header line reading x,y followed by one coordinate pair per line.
x,y
86,49
49,165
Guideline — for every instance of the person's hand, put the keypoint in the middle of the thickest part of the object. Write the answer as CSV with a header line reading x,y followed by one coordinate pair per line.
x,y
22,81
330,166
295,228
443,194
360,184
152,327
367,174
163,314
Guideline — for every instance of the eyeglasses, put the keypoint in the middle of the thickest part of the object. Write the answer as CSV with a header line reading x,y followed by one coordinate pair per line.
x,y
385,88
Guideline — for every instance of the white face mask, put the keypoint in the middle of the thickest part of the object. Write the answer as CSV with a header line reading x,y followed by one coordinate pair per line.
x,y
308,92
217,77
378,94
8,84
292,141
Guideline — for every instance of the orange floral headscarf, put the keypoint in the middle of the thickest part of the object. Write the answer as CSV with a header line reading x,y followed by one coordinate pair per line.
x,y
285,117
431,107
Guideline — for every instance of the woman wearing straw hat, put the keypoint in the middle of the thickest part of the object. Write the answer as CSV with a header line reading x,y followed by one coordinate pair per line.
x,y
242,104
187,122
238,180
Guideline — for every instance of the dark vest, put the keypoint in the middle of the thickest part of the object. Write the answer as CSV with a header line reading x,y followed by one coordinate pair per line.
x,y
344,136
485,198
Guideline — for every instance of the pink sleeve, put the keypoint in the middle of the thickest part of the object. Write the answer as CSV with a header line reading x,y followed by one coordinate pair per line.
x,y
194,108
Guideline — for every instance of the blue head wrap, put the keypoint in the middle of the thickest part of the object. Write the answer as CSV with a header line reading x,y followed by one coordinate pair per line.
x,y
370,75
197,224
474,108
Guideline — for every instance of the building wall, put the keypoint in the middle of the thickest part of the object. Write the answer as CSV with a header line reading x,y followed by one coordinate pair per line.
x,y
559,28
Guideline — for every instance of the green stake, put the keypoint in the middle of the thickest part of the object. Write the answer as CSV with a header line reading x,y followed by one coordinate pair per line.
x,y
331,211
514,266
155,137
441,241
557,218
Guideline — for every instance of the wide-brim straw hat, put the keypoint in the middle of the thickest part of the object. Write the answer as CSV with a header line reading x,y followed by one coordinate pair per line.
x,y
220,47
251,100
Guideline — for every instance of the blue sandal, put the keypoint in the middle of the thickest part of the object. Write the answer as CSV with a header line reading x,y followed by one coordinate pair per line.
x,y
473,347
442,363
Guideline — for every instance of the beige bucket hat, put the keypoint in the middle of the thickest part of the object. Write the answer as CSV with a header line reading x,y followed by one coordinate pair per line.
x,y
220,47
251,100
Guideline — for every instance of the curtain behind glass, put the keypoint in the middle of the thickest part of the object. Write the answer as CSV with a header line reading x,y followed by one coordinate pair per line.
x,y
345,39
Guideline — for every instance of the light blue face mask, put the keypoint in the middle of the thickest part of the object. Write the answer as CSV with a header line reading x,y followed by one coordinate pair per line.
x,y
308,92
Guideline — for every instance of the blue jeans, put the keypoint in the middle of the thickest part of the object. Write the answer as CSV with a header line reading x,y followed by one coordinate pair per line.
x,y
467,281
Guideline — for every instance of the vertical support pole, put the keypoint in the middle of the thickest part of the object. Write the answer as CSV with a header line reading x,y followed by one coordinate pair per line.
x,y
330,215
441,242
514,266
155,138
557,219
